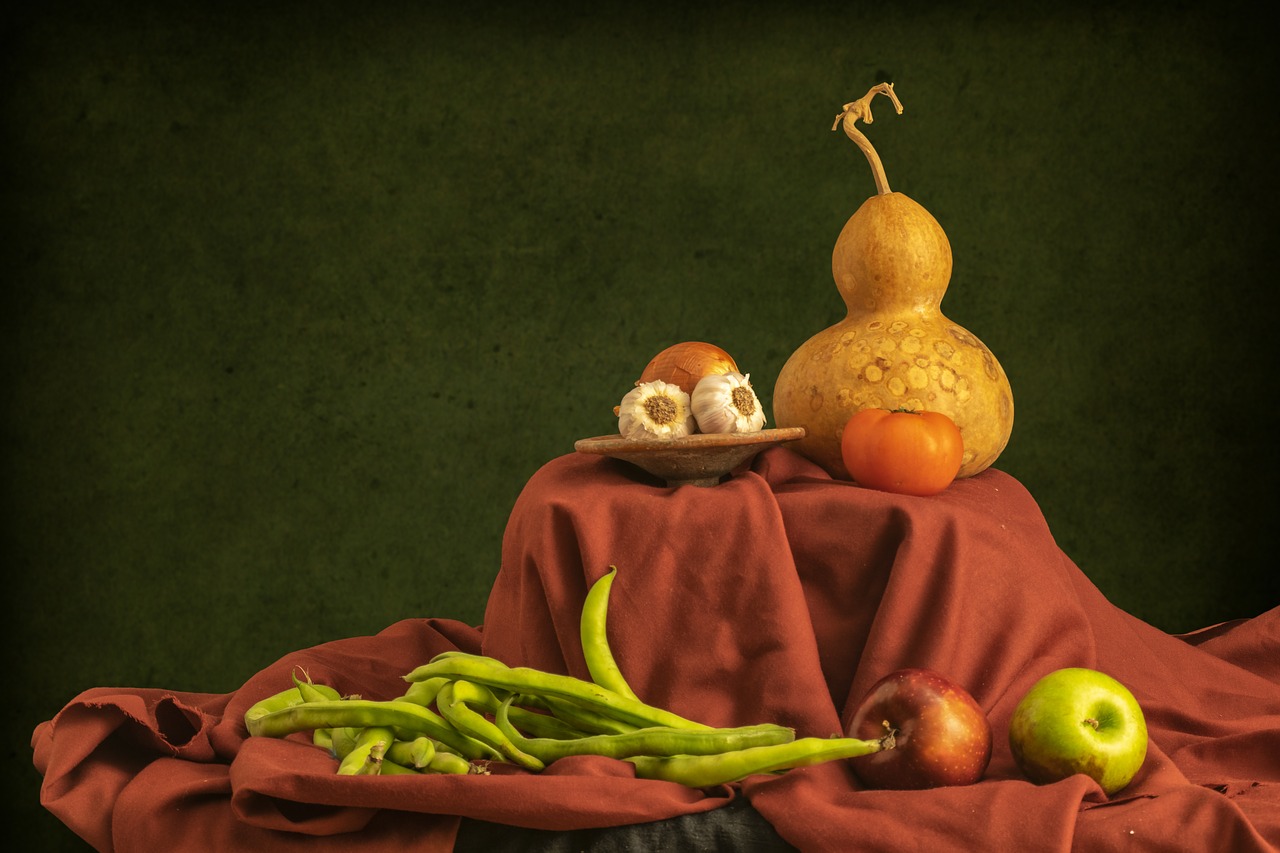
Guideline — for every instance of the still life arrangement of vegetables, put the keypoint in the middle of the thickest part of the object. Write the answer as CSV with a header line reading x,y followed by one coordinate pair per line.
x,y
894,349
462,712
690,387
691,418
914,729
895,396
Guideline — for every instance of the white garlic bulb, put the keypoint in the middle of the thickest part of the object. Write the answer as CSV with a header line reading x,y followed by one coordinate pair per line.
x,y
655,409
726,402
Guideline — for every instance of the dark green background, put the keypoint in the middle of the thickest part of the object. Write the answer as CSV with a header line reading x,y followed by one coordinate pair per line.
x,y
297,299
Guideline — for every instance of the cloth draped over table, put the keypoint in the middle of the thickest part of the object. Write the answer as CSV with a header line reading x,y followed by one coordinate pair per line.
x,y
780,595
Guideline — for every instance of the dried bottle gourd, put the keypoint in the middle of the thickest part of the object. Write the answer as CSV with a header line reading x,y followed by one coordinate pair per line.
x,y
894,349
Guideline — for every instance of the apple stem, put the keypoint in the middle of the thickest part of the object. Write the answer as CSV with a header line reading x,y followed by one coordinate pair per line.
x,y
1090,721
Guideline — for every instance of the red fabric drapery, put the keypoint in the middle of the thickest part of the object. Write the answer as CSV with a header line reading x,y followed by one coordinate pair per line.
x,y
778,596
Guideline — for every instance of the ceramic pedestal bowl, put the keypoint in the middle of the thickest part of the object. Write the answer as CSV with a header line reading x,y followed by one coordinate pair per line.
x,y
701,459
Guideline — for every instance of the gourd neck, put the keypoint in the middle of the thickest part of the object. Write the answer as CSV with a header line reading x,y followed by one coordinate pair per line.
x,y
892,257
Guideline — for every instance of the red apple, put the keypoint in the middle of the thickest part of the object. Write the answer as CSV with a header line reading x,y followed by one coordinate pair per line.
x,y
941,735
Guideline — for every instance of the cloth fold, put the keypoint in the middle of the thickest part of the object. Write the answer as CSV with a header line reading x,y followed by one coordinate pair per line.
x,y
780,596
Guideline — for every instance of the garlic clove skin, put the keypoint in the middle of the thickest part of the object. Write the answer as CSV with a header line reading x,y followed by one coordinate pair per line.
x,y
726,403
655,410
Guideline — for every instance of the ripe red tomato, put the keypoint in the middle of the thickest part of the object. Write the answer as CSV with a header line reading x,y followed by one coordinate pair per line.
x,y
910,453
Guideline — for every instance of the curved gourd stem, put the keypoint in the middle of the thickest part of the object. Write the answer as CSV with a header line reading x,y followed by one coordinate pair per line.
x,y
861,109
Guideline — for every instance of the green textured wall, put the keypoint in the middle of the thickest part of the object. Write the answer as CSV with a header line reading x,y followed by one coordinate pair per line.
x,y
297,299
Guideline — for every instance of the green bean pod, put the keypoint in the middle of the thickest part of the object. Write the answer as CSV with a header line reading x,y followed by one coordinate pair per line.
x,y
448,762
424,692
394,768
365,759
361,713
542,725
533,722
457,653
453,702
416,753
705,771
657,740
532,681
342,739
312,692
595,640
585,720
276,702
423,755
286,698
323,738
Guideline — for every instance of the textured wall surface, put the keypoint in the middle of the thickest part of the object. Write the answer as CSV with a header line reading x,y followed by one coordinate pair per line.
x,y
298,298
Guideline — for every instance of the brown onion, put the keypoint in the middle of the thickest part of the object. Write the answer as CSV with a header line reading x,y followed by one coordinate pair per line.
x,y
685,363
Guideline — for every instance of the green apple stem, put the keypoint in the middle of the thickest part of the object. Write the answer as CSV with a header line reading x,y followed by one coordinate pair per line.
x,y
1090,721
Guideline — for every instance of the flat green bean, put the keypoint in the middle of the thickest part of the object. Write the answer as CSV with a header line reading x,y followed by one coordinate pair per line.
x,y
393,768
589,720
453,702
275,702
416,753
595,640
705,771
312,692
365,758
447,762
457,653
657,740
323,738
361,713
423,755
533,722
286,698
531,681
586,720
424,692
342,740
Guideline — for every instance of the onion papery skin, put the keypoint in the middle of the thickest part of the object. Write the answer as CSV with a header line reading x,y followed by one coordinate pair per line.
x,y
685,363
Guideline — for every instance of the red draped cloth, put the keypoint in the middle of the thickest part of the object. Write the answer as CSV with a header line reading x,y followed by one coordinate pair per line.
x,y
778,596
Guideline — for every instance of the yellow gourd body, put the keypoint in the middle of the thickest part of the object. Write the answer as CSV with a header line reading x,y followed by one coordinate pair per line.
x,y
894,348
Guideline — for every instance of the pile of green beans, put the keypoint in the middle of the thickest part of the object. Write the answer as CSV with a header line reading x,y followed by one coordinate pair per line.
x,y
463,711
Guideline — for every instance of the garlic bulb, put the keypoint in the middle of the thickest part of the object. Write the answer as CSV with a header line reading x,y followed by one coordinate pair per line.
x,y
655,409
726,402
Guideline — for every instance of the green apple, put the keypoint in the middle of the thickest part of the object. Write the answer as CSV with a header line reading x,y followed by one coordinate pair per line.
x,y
1078,720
